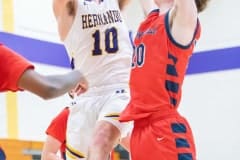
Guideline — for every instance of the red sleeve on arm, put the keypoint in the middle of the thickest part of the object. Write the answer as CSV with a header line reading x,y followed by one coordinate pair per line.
x,y
58,126
12,66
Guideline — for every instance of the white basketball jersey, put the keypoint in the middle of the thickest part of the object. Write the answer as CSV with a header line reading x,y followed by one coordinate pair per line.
x,y
98,43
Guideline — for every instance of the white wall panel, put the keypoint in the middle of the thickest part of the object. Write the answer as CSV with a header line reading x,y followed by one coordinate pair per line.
x,y
211,104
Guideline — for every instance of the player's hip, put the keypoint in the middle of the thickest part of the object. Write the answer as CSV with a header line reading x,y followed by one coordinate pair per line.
x,y
106,89
169,138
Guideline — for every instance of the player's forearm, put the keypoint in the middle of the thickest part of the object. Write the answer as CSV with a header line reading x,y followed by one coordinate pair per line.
x,y
61,84
48,87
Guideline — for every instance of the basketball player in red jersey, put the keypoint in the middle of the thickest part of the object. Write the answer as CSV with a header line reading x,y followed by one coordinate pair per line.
x,y
56,137
163,46
18,74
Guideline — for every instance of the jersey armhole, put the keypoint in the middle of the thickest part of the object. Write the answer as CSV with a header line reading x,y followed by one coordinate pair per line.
x,y
171,38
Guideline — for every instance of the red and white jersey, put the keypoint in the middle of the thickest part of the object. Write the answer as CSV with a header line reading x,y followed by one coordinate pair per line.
x,y
12,66
158,68
98,43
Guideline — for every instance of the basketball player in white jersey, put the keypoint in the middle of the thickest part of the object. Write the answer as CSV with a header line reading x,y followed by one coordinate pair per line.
x,y
97,41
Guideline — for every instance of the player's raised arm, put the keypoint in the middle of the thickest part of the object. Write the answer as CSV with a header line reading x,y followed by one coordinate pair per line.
x,y
59,6
183,19
123,3
64,11
147,6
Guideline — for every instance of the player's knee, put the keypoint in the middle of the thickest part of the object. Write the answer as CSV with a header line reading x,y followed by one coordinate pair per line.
x,y
105,136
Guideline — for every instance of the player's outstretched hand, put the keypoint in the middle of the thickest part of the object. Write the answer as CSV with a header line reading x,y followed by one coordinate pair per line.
x,y
80,88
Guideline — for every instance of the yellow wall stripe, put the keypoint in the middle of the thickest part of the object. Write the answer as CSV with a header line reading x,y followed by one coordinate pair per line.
x,y
12,115
11,98
8,15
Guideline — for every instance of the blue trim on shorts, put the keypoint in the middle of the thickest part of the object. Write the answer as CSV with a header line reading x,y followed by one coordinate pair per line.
x,y
178,128
185,156
182,143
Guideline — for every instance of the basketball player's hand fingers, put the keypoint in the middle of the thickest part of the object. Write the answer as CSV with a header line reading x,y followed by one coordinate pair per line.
x,y
84,83
81,89
75,91
83,86
71,94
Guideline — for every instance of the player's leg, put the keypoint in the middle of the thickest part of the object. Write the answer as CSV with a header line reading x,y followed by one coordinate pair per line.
x,y
125,142
105,137
166,139
184,140
80,126
109,130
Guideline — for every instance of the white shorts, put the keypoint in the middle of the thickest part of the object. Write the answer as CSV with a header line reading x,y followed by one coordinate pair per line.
x,y
102,103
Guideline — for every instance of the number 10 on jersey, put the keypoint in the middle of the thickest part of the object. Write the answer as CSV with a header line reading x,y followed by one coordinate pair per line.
x,y
110,41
